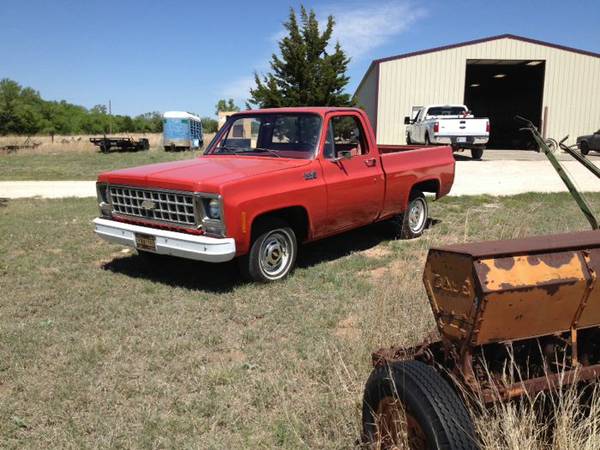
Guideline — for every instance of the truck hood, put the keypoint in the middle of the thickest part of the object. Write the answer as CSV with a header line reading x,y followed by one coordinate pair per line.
x,y
202,174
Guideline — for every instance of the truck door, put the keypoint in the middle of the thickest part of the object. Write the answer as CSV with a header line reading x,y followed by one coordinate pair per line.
x,y
353,176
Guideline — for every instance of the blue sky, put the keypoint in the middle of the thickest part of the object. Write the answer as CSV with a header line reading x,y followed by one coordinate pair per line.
x,y
185,55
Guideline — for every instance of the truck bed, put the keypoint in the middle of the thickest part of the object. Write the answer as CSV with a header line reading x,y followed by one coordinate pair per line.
x,y
405,165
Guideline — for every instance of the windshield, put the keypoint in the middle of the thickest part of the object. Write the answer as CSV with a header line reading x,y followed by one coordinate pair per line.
x,y
446,111
273,135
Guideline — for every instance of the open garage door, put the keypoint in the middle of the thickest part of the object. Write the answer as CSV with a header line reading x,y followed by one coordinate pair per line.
x,y
500,89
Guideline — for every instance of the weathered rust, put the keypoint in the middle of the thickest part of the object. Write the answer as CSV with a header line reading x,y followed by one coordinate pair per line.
x,y
500,291
532,386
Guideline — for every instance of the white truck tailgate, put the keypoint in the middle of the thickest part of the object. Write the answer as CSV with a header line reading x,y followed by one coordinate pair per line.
x,y
462,127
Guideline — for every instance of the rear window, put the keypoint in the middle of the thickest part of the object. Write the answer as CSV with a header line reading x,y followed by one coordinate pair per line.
x,y
446,111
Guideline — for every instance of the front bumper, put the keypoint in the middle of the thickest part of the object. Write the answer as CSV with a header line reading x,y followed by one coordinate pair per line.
x,y
201,248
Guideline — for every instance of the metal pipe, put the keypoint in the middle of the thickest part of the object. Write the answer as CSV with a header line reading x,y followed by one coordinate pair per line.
x,y
583,205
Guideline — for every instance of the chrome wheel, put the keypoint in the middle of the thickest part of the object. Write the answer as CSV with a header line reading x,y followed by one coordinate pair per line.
x,y
417,215
276,254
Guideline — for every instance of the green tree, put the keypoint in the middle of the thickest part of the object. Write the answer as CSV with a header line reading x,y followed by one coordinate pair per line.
x,y
306,73
24,111
209,125
226,105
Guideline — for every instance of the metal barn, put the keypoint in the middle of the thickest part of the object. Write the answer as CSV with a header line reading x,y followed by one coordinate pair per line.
x,y
557,87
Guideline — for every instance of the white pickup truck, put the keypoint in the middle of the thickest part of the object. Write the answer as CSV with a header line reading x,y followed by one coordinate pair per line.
x,y
451,125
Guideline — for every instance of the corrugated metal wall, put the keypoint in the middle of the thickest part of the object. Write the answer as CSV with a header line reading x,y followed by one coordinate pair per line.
x,y
366,94
571,85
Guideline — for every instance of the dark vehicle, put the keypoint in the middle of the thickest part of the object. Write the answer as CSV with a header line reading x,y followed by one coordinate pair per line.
x,y
120,143
589,142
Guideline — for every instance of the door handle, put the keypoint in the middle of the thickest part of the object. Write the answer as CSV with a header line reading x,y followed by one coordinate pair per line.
x,y
370,162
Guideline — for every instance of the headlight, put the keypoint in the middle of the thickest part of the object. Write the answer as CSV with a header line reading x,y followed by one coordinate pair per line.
x,y
214,209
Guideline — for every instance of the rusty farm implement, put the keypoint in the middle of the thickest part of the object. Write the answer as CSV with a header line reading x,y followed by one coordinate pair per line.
x,y
514,317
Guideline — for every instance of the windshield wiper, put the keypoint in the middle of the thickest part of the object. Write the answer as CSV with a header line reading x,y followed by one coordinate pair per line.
x,y
258,149
227,150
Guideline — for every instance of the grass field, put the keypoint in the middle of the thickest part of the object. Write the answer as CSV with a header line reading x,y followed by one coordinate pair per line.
x,y
99,350
79,160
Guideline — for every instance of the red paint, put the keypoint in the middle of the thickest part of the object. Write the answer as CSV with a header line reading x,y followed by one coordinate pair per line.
x,y
344,195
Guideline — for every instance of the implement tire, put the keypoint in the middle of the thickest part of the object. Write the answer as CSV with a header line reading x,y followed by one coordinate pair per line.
x,y
407,404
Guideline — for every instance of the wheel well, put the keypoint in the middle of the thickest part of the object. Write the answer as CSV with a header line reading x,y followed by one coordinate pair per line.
x,y
295,216
426,186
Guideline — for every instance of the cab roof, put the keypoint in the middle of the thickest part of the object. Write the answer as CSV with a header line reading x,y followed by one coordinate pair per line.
x,y
321,110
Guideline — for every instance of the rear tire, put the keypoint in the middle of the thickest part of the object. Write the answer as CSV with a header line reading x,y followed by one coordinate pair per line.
x,y
272,254
412,223
584,147
407,404
427,141
477,153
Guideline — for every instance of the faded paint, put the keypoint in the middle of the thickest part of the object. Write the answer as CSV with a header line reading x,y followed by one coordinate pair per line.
x,y
571,84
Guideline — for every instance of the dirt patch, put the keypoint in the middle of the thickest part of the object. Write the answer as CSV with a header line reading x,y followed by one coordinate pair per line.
x,y
347,329
377,274
227,356
376,252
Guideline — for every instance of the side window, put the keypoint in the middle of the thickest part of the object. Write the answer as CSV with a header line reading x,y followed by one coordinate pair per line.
x,y
345,134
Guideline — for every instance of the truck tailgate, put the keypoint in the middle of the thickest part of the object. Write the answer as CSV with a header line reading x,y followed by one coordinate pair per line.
x,y
463,127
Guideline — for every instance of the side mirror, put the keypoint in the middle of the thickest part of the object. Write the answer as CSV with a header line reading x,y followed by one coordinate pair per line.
x,y
407,120
342,155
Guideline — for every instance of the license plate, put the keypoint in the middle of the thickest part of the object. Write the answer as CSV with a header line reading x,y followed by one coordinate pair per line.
x,y
145,242
461,139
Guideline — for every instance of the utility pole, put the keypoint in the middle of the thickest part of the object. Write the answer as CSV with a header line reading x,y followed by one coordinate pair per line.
x,y
109,117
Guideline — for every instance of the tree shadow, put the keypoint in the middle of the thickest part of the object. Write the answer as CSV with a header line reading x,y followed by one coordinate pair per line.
x,y
224,277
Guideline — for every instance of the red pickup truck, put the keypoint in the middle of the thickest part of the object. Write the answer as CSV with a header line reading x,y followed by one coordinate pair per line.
x,y
271,179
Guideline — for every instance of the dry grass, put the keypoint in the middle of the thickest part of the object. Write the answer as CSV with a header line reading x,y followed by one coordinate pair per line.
x,y
79,159
67,144
98,350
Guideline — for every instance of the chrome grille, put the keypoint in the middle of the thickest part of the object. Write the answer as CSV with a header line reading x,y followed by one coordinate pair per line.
x,y
162,206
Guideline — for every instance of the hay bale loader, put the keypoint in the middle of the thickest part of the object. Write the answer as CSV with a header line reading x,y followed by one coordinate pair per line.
x,y
514,317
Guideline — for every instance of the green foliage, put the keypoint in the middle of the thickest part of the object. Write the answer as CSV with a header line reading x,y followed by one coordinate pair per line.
x,y
226,105
23,111
209,125
307,73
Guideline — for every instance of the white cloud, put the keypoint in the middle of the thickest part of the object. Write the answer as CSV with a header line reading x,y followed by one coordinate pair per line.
x,y
364,28
238,89
360,28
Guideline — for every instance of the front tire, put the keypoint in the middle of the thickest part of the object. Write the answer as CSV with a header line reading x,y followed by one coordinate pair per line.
x,y
408,139
272,255
477,153
411,224
584,147
407,404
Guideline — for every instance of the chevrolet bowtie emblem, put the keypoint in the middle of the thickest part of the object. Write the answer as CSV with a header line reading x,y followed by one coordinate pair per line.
x,y
148,204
